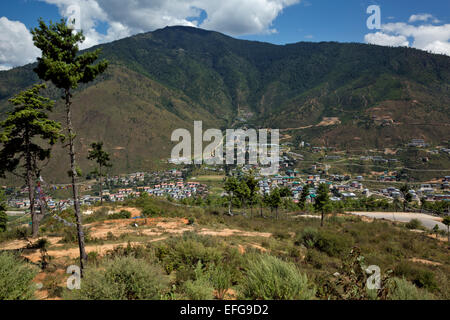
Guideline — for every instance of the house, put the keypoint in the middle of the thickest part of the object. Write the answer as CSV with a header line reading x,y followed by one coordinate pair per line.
x,y
418,143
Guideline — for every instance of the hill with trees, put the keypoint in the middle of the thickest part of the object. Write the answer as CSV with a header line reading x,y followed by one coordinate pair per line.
x,y
163,80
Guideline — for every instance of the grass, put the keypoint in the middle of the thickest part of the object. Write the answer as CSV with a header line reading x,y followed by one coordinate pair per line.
x,y
316,252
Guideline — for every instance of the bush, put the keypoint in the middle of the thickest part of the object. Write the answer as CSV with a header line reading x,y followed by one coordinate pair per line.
x,y
421,277
16,278
124,278
70,235
221,278
123,214
3,220
281,235
150,211
269,278
316,258
186,253
331,244
402,289
199,288
15,233
308,237
414,224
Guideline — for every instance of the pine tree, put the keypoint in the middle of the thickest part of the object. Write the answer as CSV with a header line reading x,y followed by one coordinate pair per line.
x,y
102,158
3,215
62,64
304,195
252,185
322,201
231,186
26,128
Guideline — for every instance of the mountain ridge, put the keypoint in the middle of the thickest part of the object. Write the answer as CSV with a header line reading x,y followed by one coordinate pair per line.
x,y
181,74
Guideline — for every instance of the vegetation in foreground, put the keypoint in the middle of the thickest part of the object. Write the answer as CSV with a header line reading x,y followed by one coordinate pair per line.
x,y
300,260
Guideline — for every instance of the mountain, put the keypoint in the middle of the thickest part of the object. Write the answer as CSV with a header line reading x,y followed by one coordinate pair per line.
x,y
348,95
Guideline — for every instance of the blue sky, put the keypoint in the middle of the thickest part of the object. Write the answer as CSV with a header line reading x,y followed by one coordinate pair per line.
x,y
275,21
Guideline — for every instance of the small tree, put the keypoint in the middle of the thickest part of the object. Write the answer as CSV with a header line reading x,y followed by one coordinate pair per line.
x,y
243,192
253,187
423,203
275,200
406,195
62,64
436,230
24,131
231,185
304,195
446,221
322,202
3,215
102,158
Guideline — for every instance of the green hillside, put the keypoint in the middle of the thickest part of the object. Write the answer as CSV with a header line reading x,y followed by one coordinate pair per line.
x,y
166,79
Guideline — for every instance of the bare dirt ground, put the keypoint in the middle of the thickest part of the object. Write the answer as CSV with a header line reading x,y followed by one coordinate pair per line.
x,y
157,229
428,262
326,122
329,122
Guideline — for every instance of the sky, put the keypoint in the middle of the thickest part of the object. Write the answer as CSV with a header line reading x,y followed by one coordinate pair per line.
x,y
415,23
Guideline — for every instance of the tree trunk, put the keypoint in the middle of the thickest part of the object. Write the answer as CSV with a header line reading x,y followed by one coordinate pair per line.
x,y
321,219
83,255
229,205
34,220
30,185
101,186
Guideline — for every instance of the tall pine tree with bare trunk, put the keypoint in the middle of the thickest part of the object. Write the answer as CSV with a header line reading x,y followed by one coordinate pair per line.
x,y
25,131
63,65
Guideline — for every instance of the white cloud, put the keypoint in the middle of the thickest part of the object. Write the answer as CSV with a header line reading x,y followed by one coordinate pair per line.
x,y
383,39
16,44
423,17
428,37
233,17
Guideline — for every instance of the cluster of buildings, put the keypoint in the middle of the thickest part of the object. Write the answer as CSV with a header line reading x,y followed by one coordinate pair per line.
x,y
177,190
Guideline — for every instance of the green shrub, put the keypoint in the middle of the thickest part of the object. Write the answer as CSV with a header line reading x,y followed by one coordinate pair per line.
x,y
123,214
185,253
16,278
332,244
419,276
316,258
200,287
3,221
414,224
150,211
281,235
15,233
308,237
124,278
402,289
269,278
221,278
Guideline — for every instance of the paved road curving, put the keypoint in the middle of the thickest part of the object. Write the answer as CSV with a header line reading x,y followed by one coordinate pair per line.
x,y
427,220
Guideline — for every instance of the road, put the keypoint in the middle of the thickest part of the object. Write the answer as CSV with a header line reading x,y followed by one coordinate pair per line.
x,y
428,221
15,213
